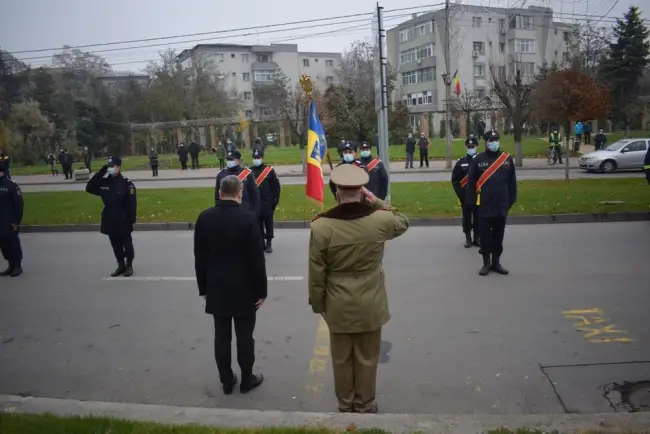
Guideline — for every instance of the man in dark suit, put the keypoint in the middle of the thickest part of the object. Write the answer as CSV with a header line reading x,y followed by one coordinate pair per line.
x,y
231,275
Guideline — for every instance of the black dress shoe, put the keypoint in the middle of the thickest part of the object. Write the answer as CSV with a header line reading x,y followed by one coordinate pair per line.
x,y
17,271
498,268
468,241
229,387
128,271
8,271
485,269
118,271
253,383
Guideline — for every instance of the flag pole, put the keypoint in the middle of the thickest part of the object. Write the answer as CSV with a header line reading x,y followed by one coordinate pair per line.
x,y
308,86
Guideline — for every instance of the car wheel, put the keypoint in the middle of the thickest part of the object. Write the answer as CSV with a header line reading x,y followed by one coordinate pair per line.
x,y
608,166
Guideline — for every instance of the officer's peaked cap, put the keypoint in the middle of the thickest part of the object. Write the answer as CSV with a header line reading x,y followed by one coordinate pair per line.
x,y
491,135
471,140
349,175
258,154
365,145
114,161
236,155
349,146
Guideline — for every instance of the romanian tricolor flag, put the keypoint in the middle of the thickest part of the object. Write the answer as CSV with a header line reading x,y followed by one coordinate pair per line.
x,y
316,151
456,82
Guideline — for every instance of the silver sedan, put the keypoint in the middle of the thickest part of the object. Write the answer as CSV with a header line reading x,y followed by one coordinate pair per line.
x,y
625,154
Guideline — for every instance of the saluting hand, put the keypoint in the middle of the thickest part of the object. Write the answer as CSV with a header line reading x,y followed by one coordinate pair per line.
x,y
368,196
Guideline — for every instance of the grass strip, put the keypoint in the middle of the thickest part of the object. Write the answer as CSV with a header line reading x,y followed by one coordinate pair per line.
x,y
416,199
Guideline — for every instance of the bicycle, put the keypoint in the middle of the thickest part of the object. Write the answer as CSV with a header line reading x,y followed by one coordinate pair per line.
x,y
552,156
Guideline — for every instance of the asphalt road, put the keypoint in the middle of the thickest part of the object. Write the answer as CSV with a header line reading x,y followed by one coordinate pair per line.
x,y
297,180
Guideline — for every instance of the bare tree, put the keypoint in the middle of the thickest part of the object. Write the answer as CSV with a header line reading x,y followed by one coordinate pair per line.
x,y
588,43
471,104
513,89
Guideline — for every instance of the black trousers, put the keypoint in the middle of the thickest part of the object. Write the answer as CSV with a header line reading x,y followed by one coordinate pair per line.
x,y
183,164
587,138
154,169
491,232
123,249
266,226
195,161
67,171
244,328
88,166
11,249
470,219
424,156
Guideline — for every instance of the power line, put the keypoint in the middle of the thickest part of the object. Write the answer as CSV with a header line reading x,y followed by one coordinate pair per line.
x,y
289,23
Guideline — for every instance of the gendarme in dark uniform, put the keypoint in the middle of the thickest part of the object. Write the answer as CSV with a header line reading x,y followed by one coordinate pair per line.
x,y
377,174
268,186
11,215
492,185
459,179
251,198
119,214
348,156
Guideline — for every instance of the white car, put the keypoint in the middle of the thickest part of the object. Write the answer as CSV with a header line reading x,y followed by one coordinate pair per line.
x,y
625,154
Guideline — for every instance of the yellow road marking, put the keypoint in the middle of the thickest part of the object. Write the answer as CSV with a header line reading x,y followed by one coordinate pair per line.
x,y
319,359
586,321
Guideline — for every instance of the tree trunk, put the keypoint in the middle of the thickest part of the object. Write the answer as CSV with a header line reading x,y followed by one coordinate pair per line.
x,y
467,123
567,152
518,130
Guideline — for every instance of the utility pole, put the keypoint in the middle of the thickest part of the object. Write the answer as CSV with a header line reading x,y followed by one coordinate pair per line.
x,y
380,70
447,80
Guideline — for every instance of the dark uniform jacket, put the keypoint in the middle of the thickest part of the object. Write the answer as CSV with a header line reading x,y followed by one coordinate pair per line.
x,y
499,193
378,178
269,190
194,149
153,158
251,199
600,140
230,266
182,153
11,205
63,159
410,145
120,203
461,169
357,163
646,166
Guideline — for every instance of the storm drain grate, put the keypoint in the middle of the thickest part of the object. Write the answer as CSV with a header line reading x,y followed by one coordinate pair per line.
x,y
631,396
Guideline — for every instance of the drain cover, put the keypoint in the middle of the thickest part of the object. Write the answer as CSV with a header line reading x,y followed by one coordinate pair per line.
x,y
633,396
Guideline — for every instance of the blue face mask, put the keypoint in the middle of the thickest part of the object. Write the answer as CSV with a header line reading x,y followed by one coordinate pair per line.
x,y
348,158
111,171
230,164
365,154
257,162
471,151
493,146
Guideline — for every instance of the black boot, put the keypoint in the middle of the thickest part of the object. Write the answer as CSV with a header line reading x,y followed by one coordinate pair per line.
x,y
468,241
269,247
128,271
485,269
16,271
229,387
497,267
476,241
121,268
251,383
8,271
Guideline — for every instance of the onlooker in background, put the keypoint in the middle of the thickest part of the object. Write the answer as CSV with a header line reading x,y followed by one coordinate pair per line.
x,y
258,145
88,158
410,150
182,156
62,162
153,162
579,130
194,150
51,160
588,128
423,144
600,140
221,154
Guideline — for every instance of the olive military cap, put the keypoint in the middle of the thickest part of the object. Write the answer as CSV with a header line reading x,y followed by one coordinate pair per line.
x,y
349,175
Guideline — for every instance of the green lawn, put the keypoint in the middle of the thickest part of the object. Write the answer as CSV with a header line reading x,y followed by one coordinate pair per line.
x,y
416,199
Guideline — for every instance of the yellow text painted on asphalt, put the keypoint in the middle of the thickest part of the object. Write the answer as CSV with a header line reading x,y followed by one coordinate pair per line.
x,y
319,359
596,327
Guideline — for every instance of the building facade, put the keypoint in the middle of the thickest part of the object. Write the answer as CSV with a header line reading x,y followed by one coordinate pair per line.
x,y
114,81
481,38
247,67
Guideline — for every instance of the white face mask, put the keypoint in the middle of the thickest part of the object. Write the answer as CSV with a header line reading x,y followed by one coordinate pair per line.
x,y
113,171
471,151
257,162
348,158
493,146
231,164
365,154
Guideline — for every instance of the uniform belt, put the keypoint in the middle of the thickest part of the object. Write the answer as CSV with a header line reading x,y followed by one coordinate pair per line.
x,y
353,273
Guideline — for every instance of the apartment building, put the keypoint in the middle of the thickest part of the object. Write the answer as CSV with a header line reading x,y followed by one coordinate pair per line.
x,y
246,67
481,37
116,80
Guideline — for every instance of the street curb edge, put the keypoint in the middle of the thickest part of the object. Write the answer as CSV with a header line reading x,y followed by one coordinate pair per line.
x,y
450,221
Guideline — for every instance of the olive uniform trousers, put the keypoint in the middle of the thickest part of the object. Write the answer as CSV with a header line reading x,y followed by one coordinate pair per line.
x,y
354,361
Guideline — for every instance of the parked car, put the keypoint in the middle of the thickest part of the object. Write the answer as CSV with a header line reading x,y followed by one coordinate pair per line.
x,y
625,154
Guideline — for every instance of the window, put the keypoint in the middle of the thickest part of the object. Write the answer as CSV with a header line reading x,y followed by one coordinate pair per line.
x,y
263,58
524,46
245,58
637,146
218,57
329,63
247,96
527,69
566,36
502,24
480,93
246,76
424,52
420,98
406,34
329,80
416,31
305,62
234,75
264,75
502,47
415,54
565,56
501,72
479,70
477,22
419,76
248,113
527,22
479,47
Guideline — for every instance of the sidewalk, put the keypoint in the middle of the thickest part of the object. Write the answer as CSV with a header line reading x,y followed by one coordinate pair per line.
x,y
281,170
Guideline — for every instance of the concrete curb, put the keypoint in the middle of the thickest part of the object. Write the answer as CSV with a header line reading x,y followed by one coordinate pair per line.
x,y
394,423
451,221
283,175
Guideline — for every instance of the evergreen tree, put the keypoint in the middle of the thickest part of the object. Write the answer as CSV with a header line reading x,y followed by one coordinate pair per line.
x,y
624,66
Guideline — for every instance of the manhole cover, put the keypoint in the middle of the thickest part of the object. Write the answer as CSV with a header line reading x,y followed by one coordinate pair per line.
x,y
633,396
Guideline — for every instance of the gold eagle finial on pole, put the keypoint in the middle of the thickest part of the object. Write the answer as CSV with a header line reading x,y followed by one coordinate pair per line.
x,y
306,84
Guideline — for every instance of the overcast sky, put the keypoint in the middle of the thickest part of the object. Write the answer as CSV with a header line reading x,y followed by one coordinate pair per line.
x,y
41,24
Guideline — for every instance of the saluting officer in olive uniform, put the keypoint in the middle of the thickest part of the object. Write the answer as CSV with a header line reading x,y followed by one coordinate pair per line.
x,y
346,283
459,179
119,214
492,185
377,174
268,185
251,199
11,215
348,156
